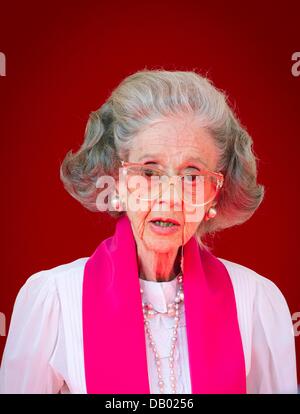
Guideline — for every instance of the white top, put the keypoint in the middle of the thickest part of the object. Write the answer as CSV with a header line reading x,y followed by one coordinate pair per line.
x,y
44,348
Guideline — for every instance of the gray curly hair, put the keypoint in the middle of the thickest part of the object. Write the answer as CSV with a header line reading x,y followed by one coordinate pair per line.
x,y
139,100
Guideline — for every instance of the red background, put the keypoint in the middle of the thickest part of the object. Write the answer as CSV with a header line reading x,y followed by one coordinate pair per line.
x,y
64,59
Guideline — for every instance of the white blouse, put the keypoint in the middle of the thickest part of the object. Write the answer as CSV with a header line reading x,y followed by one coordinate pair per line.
x,y
44,348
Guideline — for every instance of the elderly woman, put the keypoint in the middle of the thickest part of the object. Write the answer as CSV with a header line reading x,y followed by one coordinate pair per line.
x,y
152,310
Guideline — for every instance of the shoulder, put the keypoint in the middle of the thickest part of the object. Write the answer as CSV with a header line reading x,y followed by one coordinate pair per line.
x,y
48,278
247,280
259,300
47,292
43,287
243,273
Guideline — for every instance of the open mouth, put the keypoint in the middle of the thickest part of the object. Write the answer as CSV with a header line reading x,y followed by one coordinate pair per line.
x,y
160,222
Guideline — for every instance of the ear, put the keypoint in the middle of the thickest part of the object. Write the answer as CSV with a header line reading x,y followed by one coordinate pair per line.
x,y
121,187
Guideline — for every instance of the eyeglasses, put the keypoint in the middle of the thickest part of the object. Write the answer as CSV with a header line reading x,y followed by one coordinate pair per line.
x,y
147,183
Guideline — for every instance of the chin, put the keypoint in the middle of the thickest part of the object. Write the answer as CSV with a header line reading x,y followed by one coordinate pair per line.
x,y
162,246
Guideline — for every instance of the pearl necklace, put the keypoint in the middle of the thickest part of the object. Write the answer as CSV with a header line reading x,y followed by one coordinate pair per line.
x,y
173,311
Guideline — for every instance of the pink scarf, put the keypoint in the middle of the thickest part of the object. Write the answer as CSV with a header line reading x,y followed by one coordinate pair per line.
x,y
113,328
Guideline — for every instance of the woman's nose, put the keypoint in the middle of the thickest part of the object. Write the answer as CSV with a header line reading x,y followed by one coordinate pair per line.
x,y
171,195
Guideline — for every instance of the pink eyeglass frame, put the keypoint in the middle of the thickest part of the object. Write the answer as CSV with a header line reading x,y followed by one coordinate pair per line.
x,y
219,176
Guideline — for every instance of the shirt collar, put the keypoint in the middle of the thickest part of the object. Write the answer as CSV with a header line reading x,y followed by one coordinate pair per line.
x,y
159,294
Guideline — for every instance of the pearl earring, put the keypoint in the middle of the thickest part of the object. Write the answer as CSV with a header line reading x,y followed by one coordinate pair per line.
x,y
211,213
116,202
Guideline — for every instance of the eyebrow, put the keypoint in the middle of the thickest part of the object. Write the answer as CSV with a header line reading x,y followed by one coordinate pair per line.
x,y
190,159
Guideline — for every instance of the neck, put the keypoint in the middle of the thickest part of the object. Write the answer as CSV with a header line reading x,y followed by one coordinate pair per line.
x,y
158,267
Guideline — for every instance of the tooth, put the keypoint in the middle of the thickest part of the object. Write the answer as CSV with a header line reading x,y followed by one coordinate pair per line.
x,y
164,224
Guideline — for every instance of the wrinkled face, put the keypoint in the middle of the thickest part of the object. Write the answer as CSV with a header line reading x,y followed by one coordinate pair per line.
x,y
179,146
